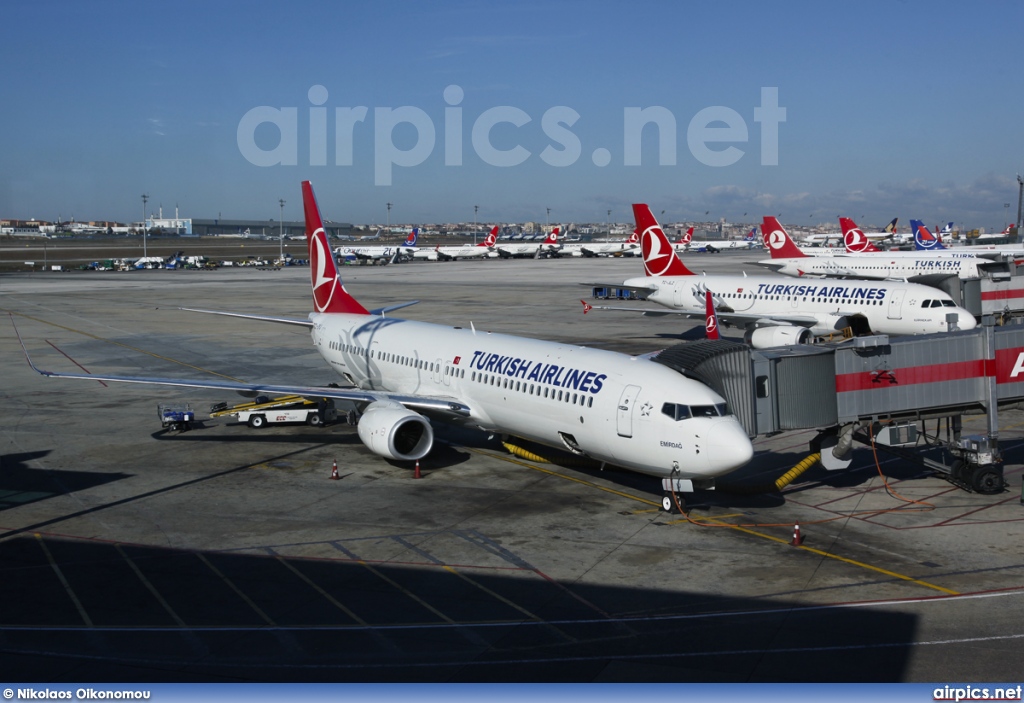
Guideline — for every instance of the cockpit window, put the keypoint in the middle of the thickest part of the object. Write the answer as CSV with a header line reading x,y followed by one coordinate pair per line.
x,y
948,304
678,411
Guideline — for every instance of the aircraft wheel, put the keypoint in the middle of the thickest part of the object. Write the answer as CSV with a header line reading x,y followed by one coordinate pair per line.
x,y
668,504
315,420
257,421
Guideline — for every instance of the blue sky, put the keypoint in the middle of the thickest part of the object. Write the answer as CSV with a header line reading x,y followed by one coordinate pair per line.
x,y
892,108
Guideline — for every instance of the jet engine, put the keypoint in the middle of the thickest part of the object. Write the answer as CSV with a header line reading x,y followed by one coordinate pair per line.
x,y
395,432
777,336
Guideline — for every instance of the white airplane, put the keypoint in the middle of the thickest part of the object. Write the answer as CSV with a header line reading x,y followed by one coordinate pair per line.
x,y
466,251
788,260
381,253
629,411
533,249
598,249
855,242
891,232
776,312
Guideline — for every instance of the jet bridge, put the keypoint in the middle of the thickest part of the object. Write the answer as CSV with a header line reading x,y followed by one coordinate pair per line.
x,y
874,390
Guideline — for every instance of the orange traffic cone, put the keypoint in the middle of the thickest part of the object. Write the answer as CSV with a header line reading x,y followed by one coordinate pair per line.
x,y
798,539
334,472
416,473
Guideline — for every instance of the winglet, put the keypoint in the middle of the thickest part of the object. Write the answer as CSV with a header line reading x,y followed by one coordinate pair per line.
x,y
854,239
587,307
777,240
710,318
659,256
329,295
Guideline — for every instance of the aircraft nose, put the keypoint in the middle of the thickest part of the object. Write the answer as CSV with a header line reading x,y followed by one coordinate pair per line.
x,y
729,448
965,321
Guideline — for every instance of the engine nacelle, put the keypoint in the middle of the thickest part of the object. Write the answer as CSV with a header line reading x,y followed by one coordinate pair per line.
x,y
777,336
393,431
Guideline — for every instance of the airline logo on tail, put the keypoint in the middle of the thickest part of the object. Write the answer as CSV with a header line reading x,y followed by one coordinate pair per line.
x,y
777,240
410,241
329,295
710,319
924,239
491,238
553,237
751,235
686,237
891,227
587,307
659,256
634,238
854,239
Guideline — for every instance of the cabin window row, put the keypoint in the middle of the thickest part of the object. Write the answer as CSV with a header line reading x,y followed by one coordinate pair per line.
x,y
389,357
538,389
813,299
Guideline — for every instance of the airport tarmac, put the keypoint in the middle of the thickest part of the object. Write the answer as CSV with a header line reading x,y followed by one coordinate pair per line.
x,y
129,553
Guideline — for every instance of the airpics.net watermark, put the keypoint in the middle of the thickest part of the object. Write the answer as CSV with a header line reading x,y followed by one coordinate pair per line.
x,y
716,125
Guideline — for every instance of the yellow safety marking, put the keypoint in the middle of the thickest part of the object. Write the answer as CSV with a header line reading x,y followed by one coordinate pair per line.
x,y
509,603
126,346
235,588
330,599
854,562
64,581
563,476
150,587
819,552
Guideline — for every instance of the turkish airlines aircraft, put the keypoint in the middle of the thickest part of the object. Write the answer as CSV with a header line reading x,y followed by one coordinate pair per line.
x,y
597,249
788,260
381,253
776,312
629,411
550,244
466,251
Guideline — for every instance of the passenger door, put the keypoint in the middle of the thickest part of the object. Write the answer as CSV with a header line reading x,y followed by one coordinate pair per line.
x,y
896,304
625,410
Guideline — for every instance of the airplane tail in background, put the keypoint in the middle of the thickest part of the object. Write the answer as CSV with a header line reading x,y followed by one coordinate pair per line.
x,y
491,238
329,295
659,257
552,238
948,229
634,238
923,239
710,318
410,241
891,227
751,235
778,241
854,239
686,237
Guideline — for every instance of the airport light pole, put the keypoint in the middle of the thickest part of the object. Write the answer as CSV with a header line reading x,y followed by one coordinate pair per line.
x,y
281,231
388,226
476,209
145,198
1006,209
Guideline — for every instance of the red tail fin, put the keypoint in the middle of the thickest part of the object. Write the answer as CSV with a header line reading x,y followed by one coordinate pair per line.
x,y
710,319
492,237
634,238
856,242
329,295
659,257
686,237
553,237
776,238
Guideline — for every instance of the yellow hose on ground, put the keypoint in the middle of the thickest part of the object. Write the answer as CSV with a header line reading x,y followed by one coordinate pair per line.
x,y
563,458
779,483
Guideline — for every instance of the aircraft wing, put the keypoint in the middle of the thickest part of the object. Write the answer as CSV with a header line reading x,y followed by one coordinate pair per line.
x,y
735,319
440,407
292,320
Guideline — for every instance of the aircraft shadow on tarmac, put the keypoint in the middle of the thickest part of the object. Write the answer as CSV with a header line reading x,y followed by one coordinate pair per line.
x,y
141,613
21,484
